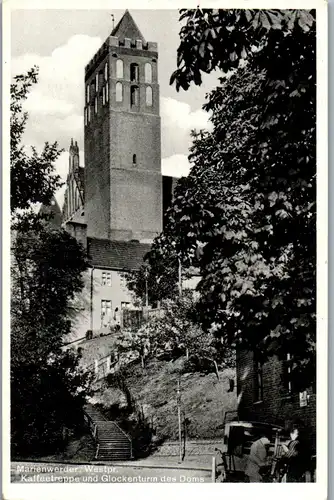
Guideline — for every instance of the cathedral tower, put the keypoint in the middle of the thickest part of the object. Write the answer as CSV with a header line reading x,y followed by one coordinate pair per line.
x,y
123,183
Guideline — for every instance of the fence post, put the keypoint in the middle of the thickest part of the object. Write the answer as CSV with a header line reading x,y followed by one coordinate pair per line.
x,y
213,470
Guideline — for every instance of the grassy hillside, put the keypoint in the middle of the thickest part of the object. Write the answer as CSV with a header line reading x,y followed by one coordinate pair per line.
x,y
203,398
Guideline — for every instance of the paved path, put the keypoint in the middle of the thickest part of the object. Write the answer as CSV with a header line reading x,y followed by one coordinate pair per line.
x,y
44,473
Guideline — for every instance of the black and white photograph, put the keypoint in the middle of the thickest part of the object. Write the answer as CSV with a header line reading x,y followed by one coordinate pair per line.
x,y
167,247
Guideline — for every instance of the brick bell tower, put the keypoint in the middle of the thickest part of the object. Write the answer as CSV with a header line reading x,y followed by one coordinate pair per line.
x,y
123,182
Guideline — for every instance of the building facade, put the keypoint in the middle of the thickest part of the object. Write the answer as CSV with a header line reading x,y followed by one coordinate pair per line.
x,y
266,393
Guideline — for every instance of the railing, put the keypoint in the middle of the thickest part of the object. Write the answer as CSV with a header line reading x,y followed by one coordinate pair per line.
x,y
92,427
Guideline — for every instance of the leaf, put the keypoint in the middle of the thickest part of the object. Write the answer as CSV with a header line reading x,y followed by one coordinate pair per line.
x,y
202,50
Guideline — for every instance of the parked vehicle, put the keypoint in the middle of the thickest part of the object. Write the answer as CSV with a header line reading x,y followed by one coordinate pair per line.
x,y
239,436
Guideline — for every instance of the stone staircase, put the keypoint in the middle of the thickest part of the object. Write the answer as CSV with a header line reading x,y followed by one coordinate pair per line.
x,y
112,443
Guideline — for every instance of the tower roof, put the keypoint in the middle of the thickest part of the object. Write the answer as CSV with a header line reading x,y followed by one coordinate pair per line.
x,y
127,28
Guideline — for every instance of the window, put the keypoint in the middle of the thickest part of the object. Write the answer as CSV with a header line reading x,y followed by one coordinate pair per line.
x,y
97,82
287,373
134,72
87,94
106,279
103,96
125,305
134,96
107,92
258,380
88,114
95,105
119,92
106,72
105,312
149,98
148,73
134,159
119,68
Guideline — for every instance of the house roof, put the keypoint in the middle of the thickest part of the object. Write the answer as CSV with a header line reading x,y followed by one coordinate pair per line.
x,y
127,255
127,28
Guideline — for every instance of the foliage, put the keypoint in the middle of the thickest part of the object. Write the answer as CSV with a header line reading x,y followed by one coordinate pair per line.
x,y
33,178
173,334
249,200
159,274
46,399
220,39
47,271
48,388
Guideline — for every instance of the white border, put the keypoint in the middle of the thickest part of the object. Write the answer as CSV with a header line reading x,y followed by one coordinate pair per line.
x,y
305,491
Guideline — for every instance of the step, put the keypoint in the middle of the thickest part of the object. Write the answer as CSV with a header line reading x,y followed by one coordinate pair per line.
x,y
119,441
113,446
104,437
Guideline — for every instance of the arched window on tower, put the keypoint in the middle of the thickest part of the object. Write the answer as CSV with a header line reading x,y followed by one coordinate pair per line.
x,y
149,96
119,92
96,82
106,72
134,72
134,95
148,73
87,94
119,68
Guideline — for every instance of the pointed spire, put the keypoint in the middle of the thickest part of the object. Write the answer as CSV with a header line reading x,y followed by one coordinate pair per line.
x,y
127,28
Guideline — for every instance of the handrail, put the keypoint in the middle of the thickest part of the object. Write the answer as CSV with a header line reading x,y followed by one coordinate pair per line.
x,y
125,434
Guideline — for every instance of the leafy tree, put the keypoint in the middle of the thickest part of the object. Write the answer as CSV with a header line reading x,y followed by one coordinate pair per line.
x,y
249,200
159,275
33,177
175,334
48,388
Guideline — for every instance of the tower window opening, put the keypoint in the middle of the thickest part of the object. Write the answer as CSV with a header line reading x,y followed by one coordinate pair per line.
x,y
134,72
149,96
119,92
107,92
95,105
119,68
88,109
103,96
134,159
134,96
87,94
106,72
97,82
148,73
86,116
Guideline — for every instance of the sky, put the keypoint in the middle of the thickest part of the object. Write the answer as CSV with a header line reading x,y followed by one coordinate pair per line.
x,y
61,43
